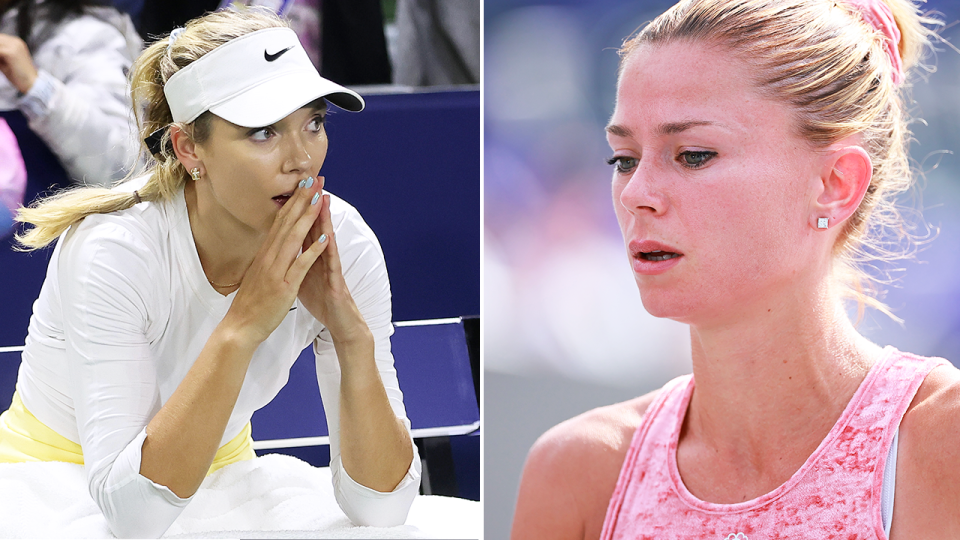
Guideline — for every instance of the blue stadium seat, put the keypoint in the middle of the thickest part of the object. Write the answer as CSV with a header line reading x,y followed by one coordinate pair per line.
x,y
433,366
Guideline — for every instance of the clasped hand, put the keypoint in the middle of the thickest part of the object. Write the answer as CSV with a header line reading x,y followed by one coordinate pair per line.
x,y
16,63
299,259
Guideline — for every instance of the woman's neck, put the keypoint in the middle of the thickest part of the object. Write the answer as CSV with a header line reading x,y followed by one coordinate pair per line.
x,y
225,246
775,378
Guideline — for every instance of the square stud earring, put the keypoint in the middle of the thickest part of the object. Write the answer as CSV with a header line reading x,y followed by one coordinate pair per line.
x,y
822,223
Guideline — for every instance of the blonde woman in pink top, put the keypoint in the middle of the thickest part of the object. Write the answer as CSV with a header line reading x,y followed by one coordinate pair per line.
x,y
757,147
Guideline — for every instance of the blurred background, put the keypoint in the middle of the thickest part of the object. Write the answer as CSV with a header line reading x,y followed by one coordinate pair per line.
x,y
565,330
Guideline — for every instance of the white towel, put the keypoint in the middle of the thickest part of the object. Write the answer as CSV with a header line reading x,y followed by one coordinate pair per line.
x,y
274,496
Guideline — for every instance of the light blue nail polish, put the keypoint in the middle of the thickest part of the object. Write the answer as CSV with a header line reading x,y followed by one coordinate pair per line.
x,y
316,197
303,183
309,182
322,239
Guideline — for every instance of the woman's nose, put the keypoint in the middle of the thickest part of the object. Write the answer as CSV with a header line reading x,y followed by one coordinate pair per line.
x,y
298,158
642,191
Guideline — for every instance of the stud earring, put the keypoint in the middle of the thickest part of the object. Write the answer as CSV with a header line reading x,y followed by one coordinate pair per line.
x,y
822,223
195,173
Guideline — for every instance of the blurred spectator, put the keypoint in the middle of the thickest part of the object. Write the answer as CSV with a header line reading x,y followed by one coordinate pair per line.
x,y
303,16
63,90
159,17
13,178
438,42
131,8
353,46
343,38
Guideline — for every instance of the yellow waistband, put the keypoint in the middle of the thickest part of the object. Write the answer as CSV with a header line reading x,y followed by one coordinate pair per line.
x,y
24,438
237,449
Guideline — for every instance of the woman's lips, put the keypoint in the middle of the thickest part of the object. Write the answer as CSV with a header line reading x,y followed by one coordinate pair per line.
x,y
658,255
650,257
281,200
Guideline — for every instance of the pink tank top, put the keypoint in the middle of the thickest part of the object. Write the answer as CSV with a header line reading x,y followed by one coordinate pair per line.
x,y
835,494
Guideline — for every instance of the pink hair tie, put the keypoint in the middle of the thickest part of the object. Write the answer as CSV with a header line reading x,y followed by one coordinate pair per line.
x,y
878,14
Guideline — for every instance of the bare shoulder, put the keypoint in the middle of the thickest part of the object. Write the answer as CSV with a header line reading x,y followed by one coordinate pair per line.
x,y
572,469
932,422
594,434
928,461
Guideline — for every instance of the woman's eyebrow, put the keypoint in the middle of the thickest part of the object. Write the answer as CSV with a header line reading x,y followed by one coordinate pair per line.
x,y
619,131
669,128
672,128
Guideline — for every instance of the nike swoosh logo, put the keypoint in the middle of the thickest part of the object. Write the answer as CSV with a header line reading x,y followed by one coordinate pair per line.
x,y
271,57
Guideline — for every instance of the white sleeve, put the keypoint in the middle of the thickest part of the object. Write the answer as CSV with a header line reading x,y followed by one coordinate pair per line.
x,y
366,276
105,285
81,107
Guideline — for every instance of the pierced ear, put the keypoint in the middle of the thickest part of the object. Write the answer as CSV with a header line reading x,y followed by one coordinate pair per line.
x,y
185,148
846,177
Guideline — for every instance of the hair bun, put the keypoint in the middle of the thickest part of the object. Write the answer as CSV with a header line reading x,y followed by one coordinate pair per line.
x,y
878,14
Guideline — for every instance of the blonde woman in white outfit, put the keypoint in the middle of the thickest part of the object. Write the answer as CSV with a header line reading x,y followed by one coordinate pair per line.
x,y
175,305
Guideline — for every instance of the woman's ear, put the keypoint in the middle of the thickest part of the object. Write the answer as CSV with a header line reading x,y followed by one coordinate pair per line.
x,y
845,177
185,148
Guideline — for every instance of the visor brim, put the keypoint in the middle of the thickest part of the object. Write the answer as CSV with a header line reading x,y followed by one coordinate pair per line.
x,y
275,99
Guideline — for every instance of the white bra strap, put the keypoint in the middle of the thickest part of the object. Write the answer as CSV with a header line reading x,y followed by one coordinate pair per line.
x,y
889,484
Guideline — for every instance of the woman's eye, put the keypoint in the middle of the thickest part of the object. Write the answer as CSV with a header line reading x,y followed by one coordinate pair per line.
x,y
261,134
623,164
695,160
316,123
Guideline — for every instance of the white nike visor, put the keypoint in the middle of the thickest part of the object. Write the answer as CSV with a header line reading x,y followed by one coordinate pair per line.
x,y
253,81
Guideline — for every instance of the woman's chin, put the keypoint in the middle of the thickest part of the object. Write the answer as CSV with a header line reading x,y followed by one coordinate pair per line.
x,y
658,306
668,305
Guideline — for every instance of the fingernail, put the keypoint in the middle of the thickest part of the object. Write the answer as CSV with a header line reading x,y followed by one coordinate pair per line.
x,y
303,183
322,239
309,182
316,197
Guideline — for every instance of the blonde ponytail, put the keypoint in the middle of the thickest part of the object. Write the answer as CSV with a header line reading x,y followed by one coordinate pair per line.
x,y
53,215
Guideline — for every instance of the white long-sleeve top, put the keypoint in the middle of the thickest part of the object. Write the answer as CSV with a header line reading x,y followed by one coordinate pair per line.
x,y
80,104
123,314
